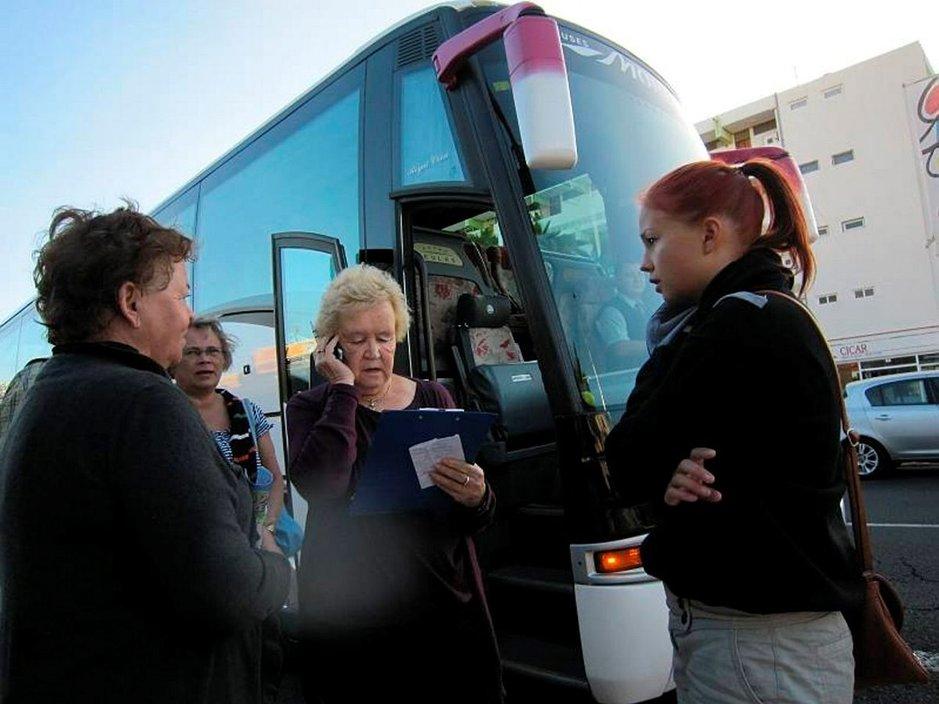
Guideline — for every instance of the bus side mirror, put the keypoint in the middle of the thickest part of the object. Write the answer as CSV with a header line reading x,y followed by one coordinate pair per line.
x,y
537,73
541,92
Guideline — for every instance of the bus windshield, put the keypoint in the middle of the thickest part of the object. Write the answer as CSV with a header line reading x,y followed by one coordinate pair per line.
x,y
630,131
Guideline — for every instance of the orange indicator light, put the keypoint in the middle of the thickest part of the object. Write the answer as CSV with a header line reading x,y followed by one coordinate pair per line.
x,y
617,560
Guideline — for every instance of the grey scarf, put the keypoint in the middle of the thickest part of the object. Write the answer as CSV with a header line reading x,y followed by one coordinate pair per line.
x,y
665,324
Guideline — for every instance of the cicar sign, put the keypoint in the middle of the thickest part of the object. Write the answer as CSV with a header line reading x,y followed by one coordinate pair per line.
x,y
853,351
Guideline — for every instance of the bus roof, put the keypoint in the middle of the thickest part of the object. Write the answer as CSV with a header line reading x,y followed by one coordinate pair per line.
x,y
358,55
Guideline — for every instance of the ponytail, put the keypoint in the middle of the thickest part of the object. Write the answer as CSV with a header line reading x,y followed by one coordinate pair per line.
x,y
694,191
788,231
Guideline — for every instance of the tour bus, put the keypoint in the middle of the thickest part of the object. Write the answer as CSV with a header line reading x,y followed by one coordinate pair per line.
x,y
507,267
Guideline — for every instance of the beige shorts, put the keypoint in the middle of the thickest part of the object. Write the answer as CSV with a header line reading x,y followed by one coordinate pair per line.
x,y
728,656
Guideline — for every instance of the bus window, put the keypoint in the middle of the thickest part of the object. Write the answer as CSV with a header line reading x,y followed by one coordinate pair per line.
x,y
253,372
302,174
33,343
180,214
586,219
22,338
9,339
305,276
428,152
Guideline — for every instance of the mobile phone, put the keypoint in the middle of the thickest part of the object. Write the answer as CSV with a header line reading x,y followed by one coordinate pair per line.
x,y
339,354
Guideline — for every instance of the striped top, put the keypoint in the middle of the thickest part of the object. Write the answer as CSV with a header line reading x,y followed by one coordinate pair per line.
x,y
262,427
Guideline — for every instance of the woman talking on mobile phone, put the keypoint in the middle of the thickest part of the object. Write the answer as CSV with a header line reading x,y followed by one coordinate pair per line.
x,y
732,433
390,603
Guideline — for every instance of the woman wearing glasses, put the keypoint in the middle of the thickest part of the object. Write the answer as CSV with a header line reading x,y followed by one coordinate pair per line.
x,y
208,353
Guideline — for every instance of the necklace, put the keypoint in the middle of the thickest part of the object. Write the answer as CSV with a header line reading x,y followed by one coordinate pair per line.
x,y
374,401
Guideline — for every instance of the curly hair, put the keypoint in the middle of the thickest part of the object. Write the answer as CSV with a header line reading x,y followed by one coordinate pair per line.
x,y
89,256
358,287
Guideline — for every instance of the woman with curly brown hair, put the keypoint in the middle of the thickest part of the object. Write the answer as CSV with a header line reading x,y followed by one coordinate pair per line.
x,y
128,572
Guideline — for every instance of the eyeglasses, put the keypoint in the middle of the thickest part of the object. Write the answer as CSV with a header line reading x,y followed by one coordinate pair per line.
x,y
196,352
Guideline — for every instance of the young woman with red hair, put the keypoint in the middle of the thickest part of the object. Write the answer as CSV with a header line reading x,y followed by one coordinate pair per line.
x,y
752,548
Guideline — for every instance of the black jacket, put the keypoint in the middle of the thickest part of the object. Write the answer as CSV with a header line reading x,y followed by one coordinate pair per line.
x,y
128,575
753,380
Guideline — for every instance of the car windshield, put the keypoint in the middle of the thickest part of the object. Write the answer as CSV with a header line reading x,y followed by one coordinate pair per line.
x,y
630,131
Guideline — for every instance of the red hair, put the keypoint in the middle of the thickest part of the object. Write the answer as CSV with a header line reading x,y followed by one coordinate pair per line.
x,y
701,189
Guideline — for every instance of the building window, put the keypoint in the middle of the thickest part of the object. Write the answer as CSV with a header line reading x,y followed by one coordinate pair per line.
x,y
828,298
823,230
800,103
832,92
742,139
928,361
809,166
764,127
853,224
865,292
842,157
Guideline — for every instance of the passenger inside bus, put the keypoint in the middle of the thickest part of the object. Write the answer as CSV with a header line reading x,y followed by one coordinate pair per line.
x,y
620,326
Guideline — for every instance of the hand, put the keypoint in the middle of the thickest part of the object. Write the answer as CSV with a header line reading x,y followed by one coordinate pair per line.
x,y
269,543
690,481
465,482
330,368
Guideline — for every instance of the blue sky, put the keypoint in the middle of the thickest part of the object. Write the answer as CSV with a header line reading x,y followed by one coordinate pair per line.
x,y
100,100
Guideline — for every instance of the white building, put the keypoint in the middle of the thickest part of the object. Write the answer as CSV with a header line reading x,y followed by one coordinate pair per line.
x,y
877,289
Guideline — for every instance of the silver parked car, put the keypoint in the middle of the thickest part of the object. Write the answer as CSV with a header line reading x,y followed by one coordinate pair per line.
x,y
897,417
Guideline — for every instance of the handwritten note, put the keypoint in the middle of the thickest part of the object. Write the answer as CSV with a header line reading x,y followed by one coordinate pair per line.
x,y
427,454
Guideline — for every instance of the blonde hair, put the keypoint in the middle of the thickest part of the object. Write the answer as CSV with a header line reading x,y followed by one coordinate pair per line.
x,y
359,287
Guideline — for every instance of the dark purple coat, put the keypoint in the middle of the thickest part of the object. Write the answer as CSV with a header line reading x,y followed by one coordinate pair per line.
x,y
409,582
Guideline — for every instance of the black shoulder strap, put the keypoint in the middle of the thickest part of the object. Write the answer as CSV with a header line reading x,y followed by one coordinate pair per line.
x,y
862,539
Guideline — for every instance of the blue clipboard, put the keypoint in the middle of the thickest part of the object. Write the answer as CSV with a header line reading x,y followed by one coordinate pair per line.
x,y
388,483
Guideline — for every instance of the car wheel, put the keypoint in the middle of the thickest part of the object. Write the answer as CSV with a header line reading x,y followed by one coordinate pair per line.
x,y
872,459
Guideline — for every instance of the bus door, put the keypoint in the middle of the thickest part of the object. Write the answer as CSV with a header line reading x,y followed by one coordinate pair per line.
x,y
304,265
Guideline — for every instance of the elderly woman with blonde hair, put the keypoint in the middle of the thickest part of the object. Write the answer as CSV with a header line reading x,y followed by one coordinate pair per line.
x,y
391,604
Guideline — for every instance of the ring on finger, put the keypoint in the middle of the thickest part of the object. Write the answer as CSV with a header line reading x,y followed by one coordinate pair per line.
x,y
466,480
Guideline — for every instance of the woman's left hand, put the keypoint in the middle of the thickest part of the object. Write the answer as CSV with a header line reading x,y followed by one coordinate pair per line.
x,y
465,482
691,481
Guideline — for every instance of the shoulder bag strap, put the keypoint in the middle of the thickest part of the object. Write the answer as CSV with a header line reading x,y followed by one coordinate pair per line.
x,y
252,427
862,540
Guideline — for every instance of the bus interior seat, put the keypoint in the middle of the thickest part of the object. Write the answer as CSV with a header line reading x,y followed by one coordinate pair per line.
x,y
451,272
478,257
502,274
483,334
499,379
504,279
442,297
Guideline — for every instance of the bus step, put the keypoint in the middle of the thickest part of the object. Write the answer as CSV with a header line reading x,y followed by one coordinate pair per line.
x,y
536,601
542,511
539,533
546,579
531,665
